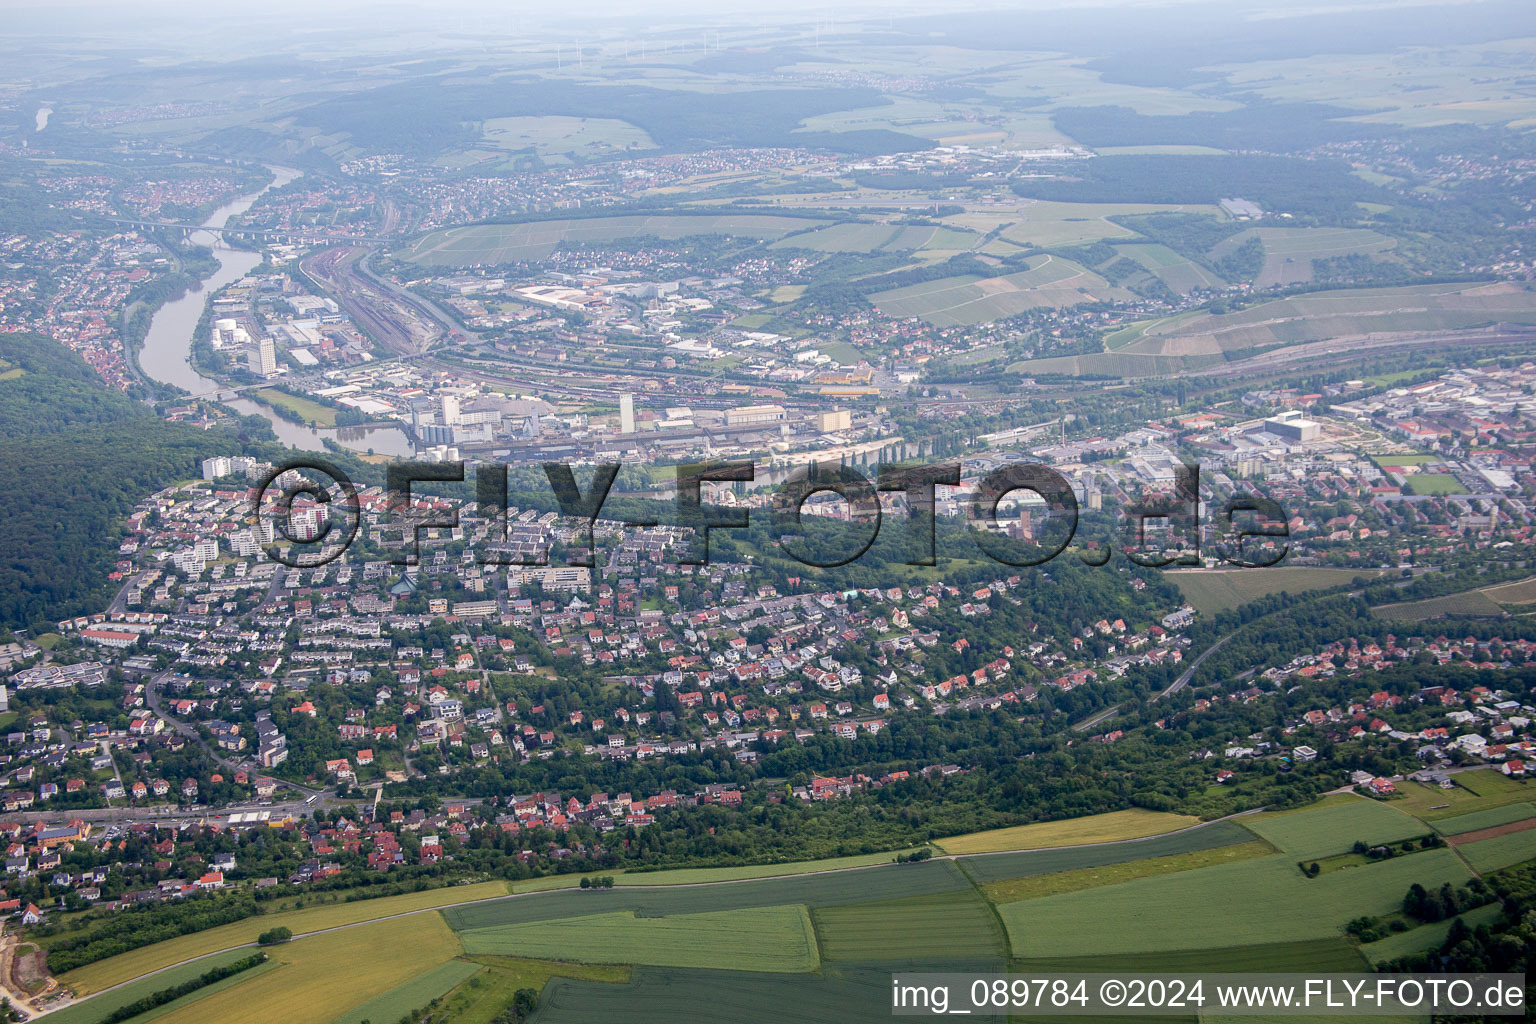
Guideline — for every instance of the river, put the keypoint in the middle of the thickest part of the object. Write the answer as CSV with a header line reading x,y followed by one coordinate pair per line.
x,y
168,345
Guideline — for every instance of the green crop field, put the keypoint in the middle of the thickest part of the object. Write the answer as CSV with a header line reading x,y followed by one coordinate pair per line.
x,y
412,995
1244,903
1500,851
1490,818
1476,790
961,301
1181,274
689,876
917,930
1512,594
1318,832
1213,590
1094,828
834,888
1331,954
560,136
759,938
865,237
1187,341
1426,936
482,998
663,996
1289,252
1469,602
1034,886
1028,863
534,240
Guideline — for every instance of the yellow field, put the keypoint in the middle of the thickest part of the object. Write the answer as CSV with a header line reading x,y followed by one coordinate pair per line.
x,y
322,977
127,966
1096,828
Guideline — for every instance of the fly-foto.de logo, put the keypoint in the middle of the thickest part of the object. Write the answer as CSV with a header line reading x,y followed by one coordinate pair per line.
x,y
310,512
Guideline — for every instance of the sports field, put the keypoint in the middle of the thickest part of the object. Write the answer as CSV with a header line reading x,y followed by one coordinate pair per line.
x,y
494,244
1096,828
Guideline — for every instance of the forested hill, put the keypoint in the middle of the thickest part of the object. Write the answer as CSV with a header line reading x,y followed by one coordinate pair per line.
x,y
77,456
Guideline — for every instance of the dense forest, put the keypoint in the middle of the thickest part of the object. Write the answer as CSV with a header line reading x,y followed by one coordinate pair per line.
x,y
78,456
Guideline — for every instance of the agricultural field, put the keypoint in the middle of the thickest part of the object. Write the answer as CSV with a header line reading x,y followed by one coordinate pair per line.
x,y
1237,904
93,1011
1334,828
1478,820
835,888
413,994
1188,341
482,998
835,996
325,976
1213,590
1034,886
1332,954
991,868
1469,602
1512,595
1289,252
760,938
1476,790
1181,274
861,237
688,876
534,240
1096,828
962,301
1046,224
561,136
917,930
1513,845
1426,936
127,966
